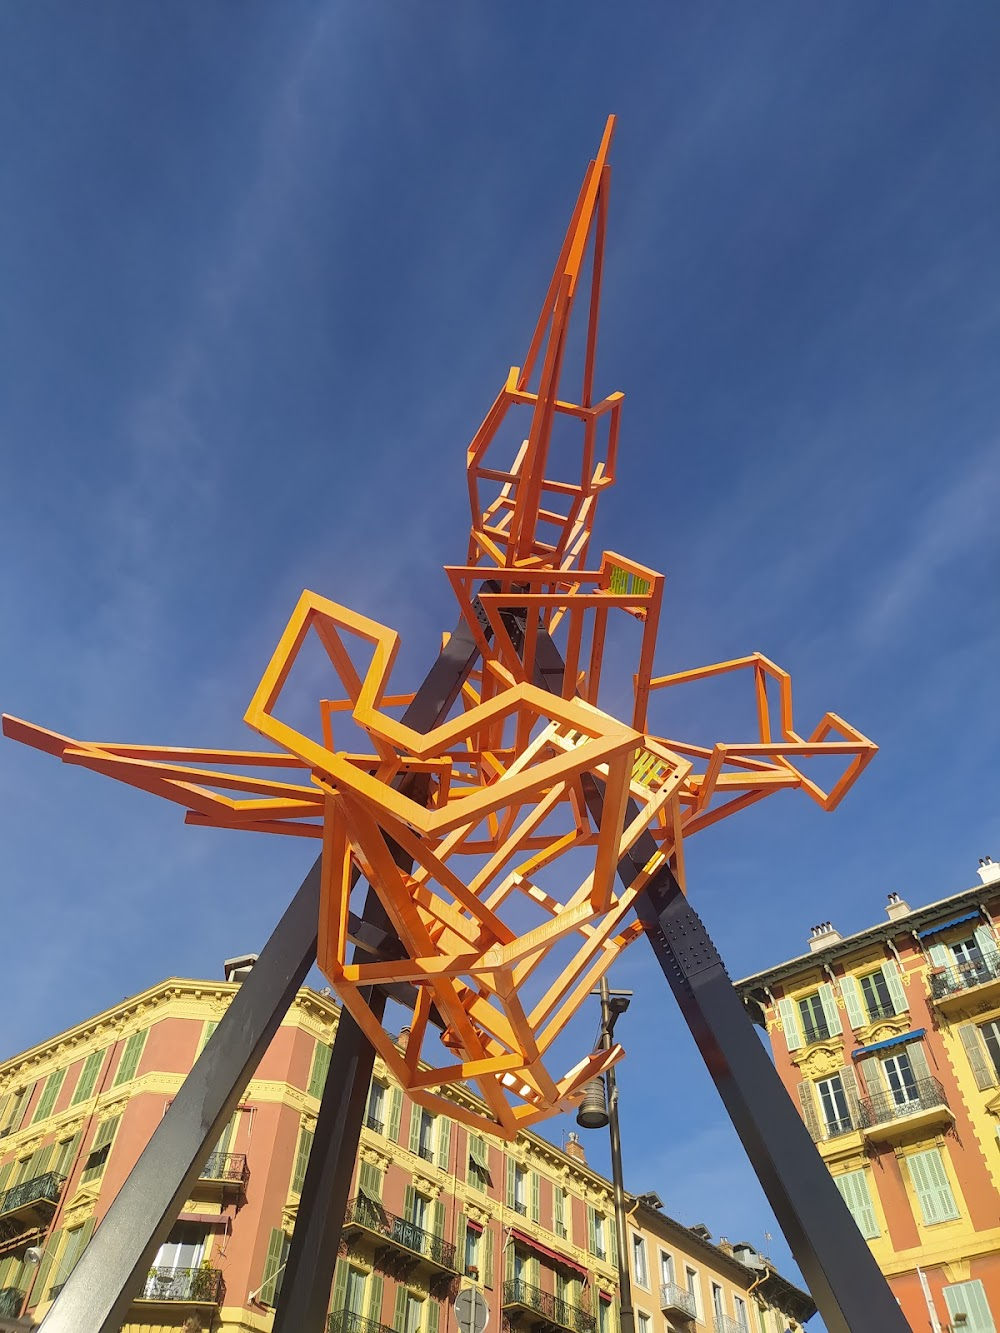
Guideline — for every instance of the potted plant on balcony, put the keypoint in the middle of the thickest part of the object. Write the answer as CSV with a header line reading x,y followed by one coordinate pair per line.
x,y
472,1270
203,1282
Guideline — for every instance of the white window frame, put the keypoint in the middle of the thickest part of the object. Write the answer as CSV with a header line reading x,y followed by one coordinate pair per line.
x,y
640,1261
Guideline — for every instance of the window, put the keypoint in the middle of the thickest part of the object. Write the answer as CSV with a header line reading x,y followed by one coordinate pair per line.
x,y
642,1322
718,1309
100,1150
422,1133
740,1306
131,1055
16,1109
560,1209
691,1282
517,1187
419,1209
354,1291
413,1313
853,1186
479,1163
172,1273
966,952
933,1189
640,1267
65,1153
833,1100
990,1033
900,1078
274,1267
666,1267
969,1299
53,1086
473,1241
88,1077
878,1001
598,1233
813,1018
375,1114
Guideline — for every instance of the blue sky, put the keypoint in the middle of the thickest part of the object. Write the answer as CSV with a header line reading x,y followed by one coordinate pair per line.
x,y
264,269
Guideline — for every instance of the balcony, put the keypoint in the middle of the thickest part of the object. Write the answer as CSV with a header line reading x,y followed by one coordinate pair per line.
x,y
29,1204
877,1011
677,1301
835,1129
189,1286
346,1321
519,1206
426,1153
813,1032
949,986
377,1126
722,1323
226,1169
542,1309
884,1117
11,1301
368,1215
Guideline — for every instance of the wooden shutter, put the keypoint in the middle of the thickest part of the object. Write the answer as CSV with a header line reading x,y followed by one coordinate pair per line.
x,y
399,1309
536,1197
53,1086
433,1316
82,1240
104,1137
850,1081
853,1186
206,1036
272,1263
853,1002
131,1056
829,1002
969,1298
871,1068
320,1067
591,1229
461,1228
409,1199
890,972
340,1274
41,1288
444,1142
370,1180
940,956
984,938
88,1077
981,1066
5,1171
809,1113
415,1118
918,1063
511,1171
790,1024
486,1249
373,1303
302,1159
437,1218
930,1180
64,1159
395,1114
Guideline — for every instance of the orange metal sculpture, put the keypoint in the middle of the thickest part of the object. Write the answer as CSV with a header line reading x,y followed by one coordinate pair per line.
x,y
495,940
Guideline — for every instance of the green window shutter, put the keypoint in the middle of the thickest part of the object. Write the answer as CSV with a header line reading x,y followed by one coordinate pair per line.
x,y
511,1172
613,1247
853,1186
461,1230
302,1159
808,1103
850,1081
409,1198
984,938
341,1274
830,1011
5,1171
918,1062
373,1305
395,1114
890,971
225,1139
131,1056
591,1229
76,1244
982,1069
486,1249
851,992
41,1161
534,1271
940,957
437,1218
969,1298
102,1140
508,1267
206,1036
41,1288
272,1263
320,1068
536,1197
558,1208
415,1118
64,1158
399,1309
433,1316
790,1024
444,1142
88,1077
53,1086
930,1180
370,1180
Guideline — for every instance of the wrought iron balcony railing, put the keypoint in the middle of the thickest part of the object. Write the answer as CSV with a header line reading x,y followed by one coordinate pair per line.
x,y
230,1167
963,976
832,1129
426,1153
520,1207
876,1011
723,1323
884,1107
40,1189
10,1302
373,1122
677,1300
195,1285
815,1032
346,1321
552,1308
367,1213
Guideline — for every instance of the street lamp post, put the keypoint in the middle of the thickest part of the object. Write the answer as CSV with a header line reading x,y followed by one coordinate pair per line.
x,y
592,1115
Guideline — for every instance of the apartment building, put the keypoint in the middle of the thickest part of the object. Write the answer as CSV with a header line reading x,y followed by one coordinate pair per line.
x,y
433,1207
888,1040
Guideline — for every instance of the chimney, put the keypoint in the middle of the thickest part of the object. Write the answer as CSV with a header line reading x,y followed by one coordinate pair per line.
x,y
403,1038
238,969
724,1245
822,935
896,907
574,1148
989,870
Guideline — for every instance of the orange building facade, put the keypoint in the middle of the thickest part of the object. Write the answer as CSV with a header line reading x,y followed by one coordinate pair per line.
x,y
434,1206
888,1040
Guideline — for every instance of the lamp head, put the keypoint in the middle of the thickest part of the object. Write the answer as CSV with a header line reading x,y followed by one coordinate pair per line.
x,y
33,1255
